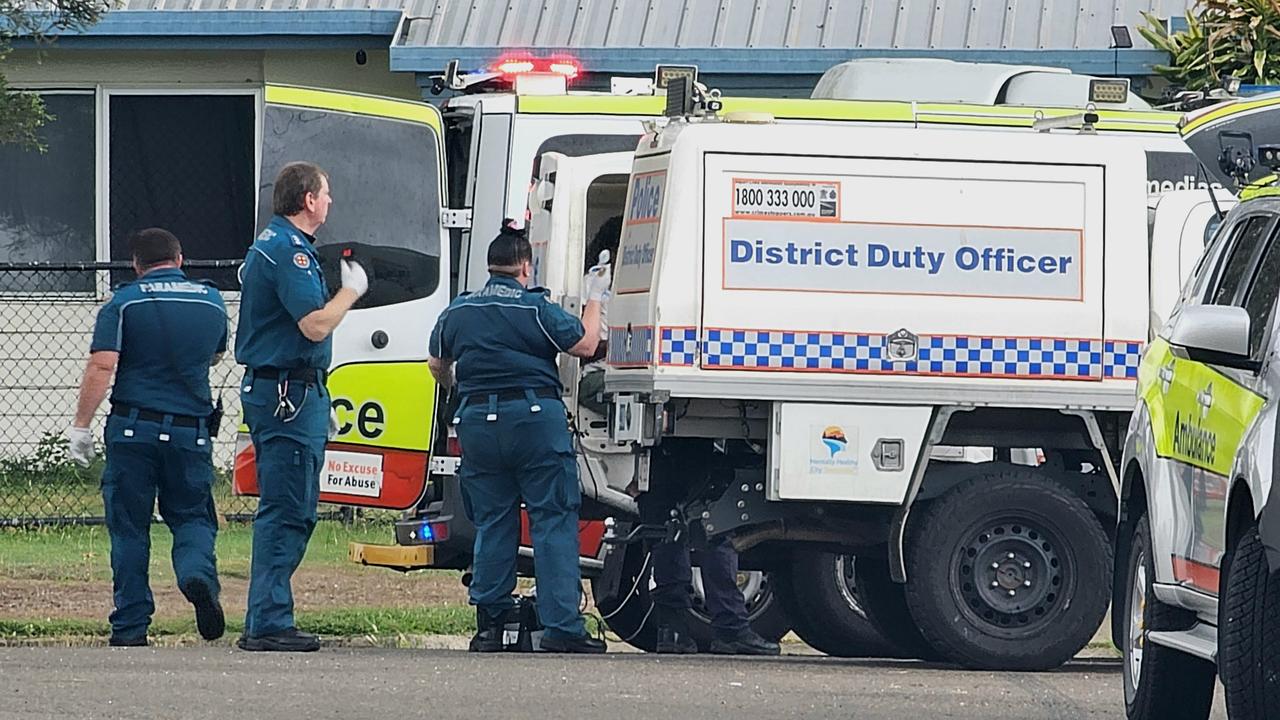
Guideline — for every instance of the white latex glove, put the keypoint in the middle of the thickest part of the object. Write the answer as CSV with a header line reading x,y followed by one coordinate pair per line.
x,y
598,282
81,440
333,423
354,277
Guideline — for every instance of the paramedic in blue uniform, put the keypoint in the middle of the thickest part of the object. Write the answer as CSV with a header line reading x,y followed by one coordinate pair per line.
x,y
158,335
501,342
283,339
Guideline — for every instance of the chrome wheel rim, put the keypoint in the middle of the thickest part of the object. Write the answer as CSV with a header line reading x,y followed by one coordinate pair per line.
x,y
1137,626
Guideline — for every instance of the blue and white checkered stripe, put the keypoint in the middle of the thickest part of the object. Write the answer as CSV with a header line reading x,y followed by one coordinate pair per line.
x,y
1121,359
969,356
679,346
639,351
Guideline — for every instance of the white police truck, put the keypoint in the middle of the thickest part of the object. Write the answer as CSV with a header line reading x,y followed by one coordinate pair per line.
x,y
819,308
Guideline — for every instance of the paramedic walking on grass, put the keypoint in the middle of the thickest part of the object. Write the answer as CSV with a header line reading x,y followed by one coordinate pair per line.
x,y
158,335
504,339
284,340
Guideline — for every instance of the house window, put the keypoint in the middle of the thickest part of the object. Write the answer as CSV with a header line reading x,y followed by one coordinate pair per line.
x,y
184,163
47,209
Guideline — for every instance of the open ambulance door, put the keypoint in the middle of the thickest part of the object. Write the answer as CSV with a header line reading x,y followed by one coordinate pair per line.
x,y
576,202
1182,224
384,158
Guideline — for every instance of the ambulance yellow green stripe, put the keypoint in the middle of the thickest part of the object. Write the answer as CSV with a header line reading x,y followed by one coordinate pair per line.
x,y
355,104
1182,428
854,110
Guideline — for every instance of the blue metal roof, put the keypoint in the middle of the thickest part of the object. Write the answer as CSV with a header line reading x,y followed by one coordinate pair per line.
x,y
626,36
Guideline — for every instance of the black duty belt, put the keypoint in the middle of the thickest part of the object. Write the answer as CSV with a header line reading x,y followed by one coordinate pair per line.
x,y
152,416
544,393
313,376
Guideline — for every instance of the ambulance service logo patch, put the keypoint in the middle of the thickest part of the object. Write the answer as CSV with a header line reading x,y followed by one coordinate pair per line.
x,y
301,260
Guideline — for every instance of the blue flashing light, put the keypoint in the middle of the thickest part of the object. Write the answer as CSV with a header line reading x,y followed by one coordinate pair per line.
x,y
425,533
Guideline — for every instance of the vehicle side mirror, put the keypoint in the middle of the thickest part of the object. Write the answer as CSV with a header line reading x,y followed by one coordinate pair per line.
x,y
1217,334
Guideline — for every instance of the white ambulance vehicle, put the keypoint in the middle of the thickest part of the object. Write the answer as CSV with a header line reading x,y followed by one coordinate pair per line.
x,y
819,307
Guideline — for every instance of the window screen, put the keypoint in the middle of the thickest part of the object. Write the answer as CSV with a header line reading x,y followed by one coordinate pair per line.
x,y
1232,274
1262,297
384,176
47,199
184,163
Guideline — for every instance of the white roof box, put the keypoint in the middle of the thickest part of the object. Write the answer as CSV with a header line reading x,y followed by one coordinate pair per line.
x,y
937,80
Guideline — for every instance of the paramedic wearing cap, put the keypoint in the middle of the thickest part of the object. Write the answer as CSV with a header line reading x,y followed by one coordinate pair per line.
x,y
158,335
502,341
286,320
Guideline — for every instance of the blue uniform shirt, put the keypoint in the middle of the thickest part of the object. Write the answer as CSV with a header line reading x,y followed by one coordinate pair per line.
x,y
167,329
504,337
280,284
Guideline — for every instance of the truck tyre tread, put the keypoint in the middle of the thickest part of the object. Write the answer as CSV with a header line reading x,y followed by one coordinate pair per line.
x,y
1008,496
885,603
1249,639
821,616
1172,683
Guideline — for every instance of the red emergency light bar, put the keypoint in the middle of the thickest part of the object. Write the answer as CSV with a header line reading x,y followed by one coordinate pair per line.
x,y
512,66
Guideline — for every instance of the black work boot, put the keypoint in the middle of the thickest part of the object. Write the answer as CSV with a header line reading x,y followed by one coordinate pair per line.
x,y
287,640
117,641
673,631
745,642
489,631
209,618
581,644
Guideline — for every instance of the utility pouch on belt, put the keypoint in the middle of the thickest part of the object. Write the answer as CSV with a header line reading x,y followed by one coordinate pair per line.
x,y
215,419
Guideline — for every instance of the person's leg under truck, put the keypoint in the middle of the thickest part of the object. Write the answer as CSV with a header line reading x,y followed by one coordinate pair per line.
x,y
128,494
672,575
186,504
288,457
491,500
547,470
718,565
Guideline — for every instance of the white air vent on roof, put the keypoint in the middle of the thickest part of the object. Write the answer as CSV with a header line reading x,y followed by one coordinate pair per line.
x,y
936,80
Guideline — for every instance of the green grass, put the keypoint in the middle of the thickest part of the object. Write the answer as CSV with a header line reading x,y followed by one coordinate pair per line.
x,y
343,622
83,553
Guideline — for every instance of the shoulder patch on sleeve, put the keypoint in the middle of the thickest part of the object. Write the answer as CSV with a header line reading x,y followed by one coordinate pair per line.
x,y
266,234
302,260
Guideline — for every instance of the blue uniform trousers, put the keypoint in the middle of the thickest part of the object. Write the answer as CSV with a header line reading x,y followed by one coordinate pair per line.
x,y
510,451
672,572
718,566
141,464
288,456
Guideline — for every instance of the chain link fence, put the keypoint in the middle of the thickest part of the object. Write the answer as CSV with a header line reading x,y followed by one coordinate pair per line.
x,y
47,313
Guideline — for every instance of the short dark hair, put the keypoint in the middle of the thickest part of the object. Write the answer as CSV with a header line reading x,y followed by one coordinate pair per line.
x,y
154,246
292,185
606,238
509,250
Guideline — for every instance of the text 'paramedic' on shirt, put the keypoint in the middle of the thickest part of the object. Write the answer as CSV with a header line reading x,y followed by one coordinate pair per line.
x,y
1041,263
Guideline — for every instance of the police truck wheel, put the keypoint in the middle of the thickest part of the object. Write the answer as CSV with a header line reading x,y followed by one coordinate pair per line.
x,y
821,596
1249,636
886,605
1159,682
1008,571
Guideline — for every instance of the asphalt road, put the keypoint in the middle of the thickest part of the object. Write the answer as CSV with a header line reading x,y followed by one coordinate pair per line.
x,y
219,682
